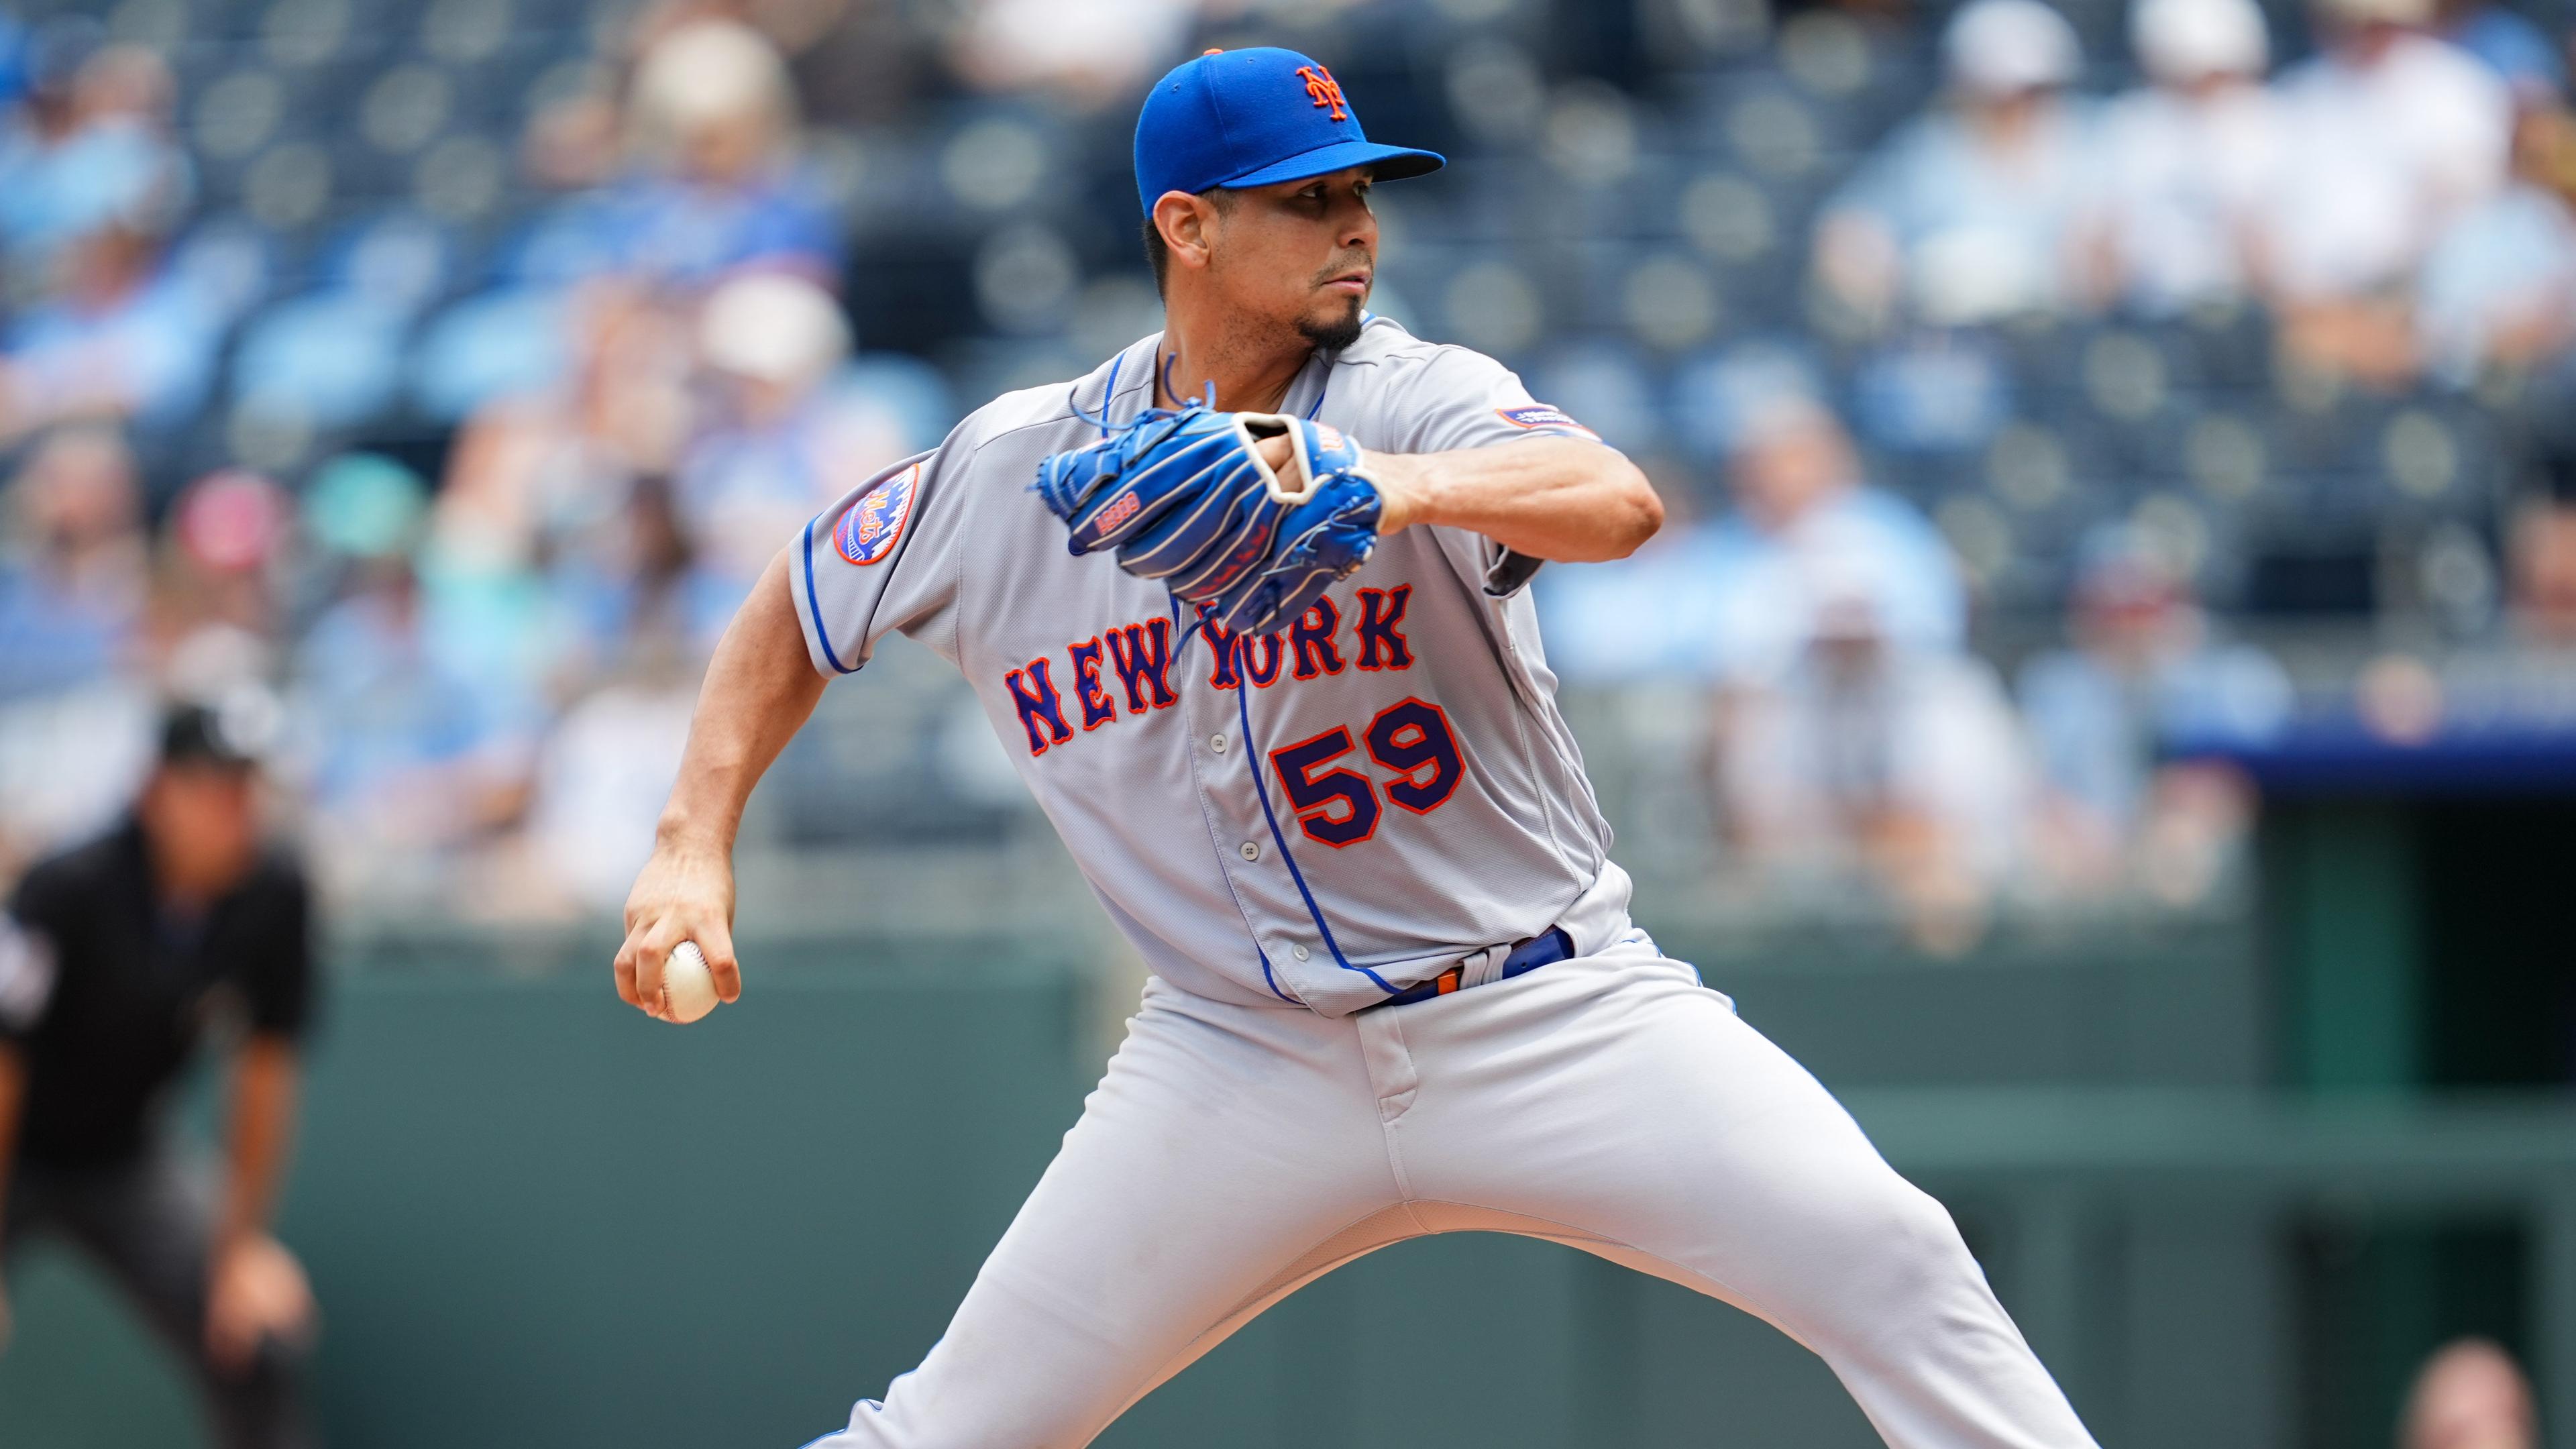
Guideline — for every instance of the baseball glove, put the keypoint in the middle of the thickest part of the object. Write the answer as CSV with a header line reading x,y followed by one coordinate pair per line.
x,y
1185,499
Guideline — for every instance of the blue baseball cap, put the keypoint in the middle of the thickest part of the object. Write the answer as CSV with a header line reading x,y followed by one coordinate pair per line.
x,y
1240,118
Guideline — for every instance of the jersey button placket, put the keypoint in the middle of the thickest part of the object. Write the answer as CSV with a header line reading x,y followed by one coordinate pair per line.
x,y
1251,850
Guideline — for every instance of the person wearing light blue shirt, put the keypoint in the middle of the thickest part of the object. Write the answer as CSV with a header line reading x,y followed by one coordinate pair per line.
x,y
1736,600
1971,212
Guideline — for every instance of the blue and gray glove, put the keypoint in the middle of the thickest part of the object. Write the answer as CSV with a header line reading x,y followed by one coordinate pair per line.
x,y
1186,499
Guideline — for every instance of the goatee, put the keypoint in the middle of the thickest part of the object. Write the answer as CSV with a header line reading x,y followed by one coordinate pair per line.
x,y
1334,335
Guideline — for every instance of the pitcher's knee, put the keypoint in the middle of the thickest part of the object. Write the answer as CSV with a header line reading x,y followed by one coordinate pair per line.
x,y
1898,1262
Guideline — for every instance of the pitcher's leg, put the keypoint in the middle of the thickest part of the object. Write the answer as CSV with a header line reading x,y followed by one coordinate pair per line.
x,y
1228,1154
1647,1123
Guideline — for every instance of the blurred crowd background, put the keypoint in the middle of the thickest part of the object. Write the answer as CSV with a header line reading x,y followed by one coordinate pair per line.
x,y
2064,410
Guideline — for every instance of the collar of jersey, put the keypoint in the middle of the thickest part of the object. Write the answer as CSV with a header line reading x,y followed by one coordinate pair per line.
x,y
1109,393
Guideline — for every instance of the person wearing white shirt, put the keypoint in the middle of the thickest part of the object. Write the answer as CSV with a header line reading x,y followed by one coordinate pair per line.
x,y
2499,290
2187,160
2393,135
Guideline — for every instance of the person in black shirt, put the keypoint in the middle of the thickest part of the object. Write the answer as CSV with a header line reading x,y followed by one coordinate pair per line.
x,y
116,958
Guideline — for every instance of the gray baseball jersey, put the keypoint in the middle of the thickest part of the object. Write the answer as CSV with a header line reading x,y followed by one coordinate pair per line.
x,y
1401,739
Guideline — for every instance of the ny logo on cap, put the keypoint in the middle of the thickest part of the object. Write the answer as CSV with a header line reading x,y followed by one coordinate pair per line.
x,y
1325,90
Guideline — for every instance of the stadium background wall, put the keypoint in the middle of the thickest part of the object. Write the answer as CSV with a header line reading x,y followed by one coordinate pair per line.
x,y
556,1223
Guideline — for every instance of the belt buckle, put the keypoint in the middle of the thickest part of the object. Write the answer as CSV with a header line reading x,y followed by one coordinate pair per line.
x,y
1481,968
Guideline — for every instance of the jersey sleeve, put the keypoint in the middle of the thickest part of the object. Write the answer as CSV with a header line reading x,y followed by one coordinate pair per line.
x,y
882,557
1458,398
278,976
1462,399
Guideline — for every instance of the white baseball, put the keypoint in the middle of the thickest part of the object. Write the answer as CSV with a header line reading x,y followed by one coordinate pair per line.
x,y
688,987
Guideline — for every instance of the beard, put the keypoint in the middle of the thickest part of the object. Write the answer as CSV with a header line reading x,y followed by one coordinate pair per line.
x,y
1334,333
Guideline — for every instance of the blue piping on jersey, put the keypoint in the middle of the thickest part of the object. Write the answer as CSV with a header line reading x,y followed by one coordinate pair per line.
x,y
1243,687
1272,981
813,606
1252,757
1327,386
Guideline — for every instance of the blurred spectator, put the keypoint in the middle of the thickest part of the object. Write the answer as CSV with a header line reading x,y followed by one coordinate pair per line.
x,y
90,149
1970,213
649,584
406,760
1736,598
1903,766
2144,675
713,121
2186,161
484,613
75,719
2523,676
2393,135
549,469
1090,52
605,771
523,333
2544,575
1644,618
219,610
1804,515
72,588
2470,1395
2499,290
123,338
785,438
115,961
856,62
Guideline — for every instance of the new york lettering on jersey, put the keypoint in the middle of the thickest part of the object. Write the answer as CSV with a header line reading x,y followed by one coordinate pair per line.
x,y
1404,729
1137,657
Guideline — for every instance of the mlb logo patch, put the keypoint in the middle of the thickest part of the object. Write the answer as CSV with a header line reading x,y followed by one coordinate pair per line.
x,y
1539,417
870,529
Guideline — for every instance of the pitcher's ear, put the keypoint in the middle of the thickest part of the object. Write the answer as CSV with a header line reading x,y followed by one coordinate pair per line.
x,y
1187,223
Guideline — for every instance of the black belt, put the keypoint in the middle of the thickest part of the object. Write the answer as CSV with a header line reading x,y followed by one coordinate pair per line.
x,y
1545,949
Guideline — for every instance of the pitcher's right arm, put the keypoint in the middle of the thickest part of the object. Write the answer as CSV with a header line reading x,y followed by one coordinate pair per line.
x,y
760,689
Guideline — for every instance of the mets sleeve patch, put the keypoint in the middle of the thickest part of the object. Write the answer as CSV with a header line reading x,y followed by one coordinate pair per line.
x,y
869,530
1540,418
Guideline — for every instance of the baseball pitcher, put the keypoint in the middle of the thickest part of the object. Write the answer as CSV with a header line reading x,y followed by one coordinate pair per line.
x,y
1245,605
